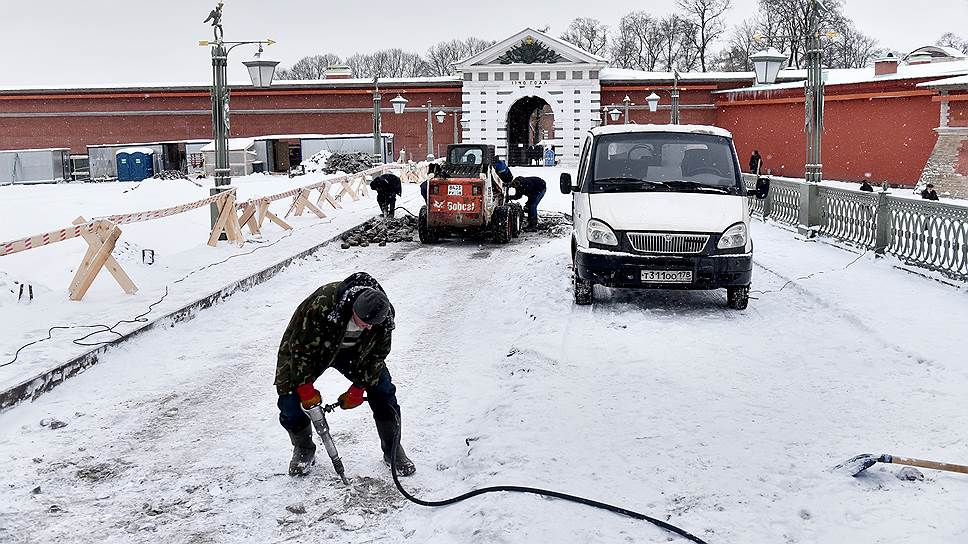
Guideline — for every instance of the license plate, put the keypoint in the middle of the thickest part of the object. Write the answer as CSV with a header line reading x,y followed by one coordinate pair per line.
x,y
455,190
667,276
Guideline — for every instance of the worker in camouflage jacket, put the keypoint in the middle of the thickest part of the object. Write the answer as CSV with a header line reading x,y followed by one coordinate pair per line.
x,y
345,325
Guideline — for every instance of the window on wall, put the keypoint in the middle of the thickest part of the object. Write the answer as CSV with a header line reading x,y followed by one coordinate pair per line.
x,y
562,74
468,77
482,76
498,76
529,76
513,76
545,75
577,74
593,74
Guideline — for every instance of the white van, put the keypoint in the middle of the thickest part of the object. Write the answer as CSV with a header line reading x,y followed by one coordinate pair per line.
x,y
661,206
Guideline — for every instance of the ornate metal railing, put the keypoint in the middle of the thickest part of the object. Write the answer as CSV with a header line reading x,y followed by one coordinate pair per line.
x,y
923,233
848,215
929,234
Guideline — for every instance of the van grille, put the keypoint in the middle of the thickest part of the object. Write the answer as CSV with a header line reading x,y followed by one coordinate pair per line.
x,y
657,242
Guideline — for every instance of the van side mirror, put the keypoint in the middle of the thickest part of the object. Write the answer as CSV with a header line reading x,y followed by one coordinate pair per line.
x,y
762,188
565,183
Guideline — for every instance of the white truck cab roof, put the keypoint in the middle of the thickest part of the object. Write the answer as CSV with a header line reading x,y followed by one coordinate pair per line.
x,y
689,129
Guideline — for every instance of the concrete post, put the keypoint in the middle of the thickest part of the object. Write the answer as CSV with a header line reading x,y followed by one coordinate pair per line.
x,y
882,220
809,214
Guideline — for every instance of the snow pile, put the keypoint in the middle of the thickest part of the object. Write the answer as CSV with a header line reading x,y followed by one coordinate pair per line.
x,y
316,163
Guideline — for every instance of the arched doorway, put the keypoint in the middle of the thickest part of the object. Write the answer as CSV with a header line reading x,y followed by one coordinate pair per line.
x,y
530,127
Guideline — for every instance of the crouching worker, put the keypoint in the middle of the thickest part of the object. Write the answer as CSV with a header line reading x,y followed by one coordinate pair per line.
x,y
388,188
347,326
534,189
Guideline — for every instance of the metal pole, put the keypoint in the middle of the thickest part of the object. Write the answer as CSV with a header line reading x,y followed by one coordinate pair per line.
x,y
456,134
377,129
814,92
674,119
220,123
430,131
626,101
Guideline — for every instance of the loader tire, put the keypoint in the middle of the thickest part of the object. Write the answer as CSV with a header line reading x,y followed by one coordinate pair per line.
x,y
501,225
517,214
425,232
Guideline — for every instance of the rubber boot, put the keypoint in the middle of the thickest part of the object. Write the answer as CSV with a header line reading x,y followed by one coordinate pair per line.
x,y
388,432
303,451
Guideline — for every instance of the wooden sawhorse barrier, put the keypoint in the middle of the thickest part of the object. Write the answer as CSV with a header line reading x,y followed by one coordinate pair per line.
x,y
100,243
301,202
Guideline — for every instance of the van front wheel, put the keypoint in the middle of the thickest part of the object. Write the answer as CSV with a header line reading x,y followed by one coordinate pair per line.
x,y
583,291
738,298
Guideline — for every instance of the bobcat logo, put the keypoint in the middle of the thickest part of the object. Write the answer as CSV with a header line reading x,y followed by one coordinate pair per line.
x,y
438,204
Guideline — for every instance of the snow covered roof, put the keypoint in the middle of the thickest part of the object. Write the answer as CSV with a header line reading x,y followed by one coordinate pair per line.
x,y
129,150
36,150
957,82
238,85
690,129
235,144
866,75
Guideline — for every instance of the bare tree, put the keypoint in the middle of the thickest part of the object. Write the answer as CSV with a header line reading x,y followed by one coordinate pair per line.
x,y
740,45
785,22
850,48
587,34
707,18
311,67
678,49
950,39
637,42
442,56
388,63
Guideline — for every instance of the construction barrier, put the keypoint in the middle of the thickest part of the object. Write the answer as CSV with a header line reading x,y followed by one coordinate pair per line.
x,y
102,233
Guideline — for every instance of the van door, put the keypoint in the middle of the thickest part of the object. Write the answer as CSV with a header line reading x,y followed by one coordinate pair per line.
x,y
580,209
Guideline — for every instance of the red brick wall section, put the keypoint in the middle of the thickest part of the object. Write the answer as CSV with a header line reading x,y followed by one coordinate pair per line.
x,y
958,112
77,132
961,164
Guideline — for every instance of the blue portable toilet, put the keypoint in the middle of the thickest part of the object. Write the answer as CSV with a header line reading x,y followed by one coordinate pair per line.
x,y
549,156
135,163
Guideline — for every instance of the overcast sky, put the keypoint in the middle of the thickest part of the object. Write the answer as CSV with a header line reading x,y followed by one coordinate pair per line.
x,y
72,42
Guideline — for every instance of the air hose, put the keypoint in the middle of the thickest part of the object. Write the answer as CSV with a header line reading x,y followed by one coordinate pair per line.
x,y
532,490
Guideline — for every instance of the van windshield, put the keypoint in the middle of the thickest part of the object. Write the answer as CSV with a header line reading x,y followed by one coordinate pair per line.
x,y
664,161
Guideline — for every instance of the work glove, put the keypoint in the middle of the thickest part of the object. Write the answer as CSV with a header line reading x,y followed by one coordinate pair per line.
x,y
308,395
352,398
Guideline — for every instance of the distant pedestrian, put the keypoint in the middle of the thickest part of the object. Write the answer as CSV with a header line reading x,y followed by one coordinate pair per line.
x,y
388,188
755,162
866,187
534,189
929,193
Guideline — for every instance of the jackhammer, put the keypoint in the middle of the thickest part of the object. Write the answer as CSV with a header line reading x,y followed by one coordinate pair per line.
x,y
317,413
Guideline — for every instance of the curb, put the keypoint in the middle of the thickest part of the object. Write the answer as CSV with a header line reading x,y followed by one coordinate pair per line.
x,y
41,383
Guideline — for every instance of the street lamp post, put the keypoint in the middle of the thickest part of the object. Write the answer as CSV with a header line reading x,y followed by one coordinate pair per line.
x,y
814,95
627,102
377,128
456,131
674,116
261,72
430,131
614,114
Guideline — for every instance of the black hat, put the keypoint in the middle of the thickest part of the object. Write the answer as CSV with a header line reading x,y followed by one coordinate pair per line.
x,y
371,306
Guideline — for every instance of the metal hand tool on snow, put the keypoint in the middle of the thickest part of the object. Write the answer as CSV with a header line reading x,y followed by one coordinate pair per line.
x,y
859,463
317,414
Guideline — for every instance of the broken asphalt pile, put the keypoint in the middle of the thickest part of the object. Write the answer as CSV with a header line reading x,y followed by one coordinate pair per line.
x,y
379,231
350,163
170,174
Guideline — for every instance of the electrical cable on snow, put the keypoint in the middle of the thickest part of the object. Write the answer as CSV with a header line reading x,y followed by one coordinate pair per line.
x,y
808,276
140,318
532,490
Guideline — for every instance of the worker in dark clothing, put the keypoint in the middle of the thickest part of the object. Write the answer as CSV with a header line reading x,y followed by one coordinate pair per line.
x,y
534,189
755,162
503,171
346,325
866,187
388,188
929,193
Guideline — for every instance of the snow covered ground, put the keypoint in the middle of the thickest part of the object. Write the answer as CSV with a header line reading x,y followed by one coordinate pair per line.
x,y
180,248
721,422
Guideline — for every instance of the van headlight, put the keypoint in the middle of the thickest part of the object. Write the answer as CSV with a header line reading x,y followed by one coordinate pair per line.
x,y
734,236
600,233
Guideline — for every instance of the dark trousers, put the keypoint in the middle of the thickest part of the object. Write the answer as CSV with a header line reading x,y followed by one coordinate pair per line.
x,y
533,207
382,399
387,202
